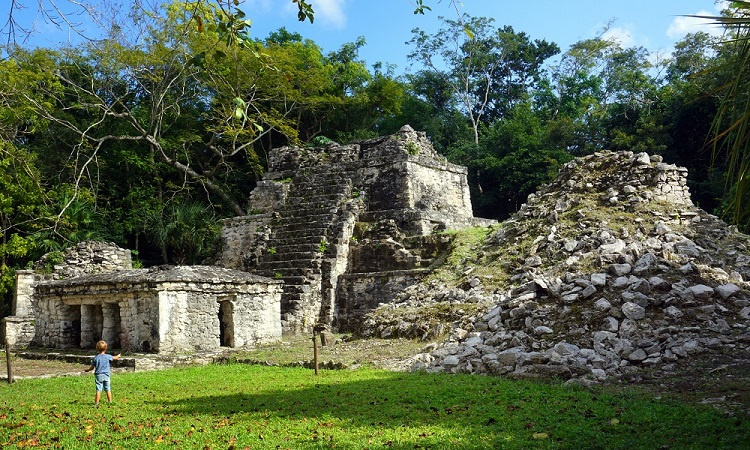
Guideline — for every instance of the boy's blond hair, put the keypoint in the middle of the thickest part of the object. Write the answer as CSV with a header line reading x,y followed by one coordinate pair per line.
x,y
101,346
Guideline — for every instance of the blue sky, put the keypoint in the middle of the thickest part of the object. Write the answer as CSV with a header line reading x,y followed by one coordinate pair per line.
x,y
386,24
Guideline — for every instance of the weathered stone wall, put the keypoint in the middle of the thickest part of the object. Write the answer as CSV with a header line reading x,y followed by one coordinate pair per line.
x,y
318,195
162,309
440,191
19,331
19,327
86,257
360,293
611,272
244,240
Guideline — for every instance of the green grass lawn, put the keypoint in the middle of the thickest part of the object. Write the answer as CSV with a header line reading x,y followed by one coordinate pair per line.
x,y
241,406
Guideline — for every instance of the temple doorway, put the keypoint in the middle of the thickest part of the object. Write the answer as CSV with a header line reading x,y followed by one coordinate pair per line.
x,y
226,323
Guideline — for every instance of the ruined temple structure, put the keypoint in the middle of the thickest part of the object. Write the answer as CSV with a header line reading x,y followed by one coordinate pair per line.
x,y
94,293
332,233
347,227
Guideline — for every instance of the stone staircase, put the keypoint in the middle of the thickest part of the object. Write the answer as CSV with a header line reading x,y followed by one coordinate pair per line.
x,y
308,247
395,191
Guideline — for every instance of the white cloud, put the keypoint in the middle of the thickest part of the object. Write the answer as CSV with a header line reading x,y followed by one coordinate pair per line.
x,y
331,12
683,25
327,12
621,35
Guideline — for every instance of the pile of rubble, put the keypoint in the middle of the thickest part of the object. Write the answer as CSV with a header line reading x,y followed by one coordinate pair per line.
x,y
609,269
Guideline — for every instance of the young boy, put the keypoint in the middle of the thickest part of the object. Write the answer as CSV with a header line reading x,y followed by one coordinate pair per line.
x,y
101,363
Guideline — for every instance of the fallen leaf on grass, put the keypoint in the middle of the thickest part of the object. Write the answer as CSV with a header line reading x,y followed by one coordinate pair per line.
x,y
540,435
33,442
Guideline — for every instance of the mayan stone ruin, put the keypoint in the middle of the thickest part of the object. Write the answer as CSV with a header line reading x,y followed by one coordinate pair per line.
x,y
347,227
96,294
611,272
332,232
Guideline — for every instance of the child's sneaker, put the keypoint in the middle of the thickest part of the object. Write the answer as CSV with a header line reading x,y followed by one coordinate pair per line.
x,y
96,405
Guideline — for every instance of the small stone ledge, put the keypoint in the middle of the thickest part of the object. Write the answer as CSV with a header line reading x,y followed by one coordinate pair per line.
x,y
387,274
307,364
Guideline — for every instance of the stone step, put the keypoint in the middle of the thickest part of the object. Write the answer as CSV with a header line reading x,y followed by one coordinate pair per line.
x,y
318,207
322,177
291,240
297,272
306,231
316,198
288,300
303,223
282,247
293,278
323,215
291,256
298,288
296,280
279,266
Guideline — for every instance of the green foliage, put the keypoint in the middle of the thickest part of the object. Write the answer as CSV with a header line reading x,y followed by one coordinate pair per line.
x,y
23,210
731,125
137,263
184,231
420,7
323,246
95,140
465,245
604,96
52,258
511,161
292,408
321,141
487,70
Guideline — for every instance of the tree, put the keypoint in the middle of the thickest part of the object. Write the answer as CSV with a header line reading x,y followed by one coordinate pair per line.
x,y
429,105
76,17
488,70
603,96
148,95
22,202
183,231
731,125
511,161
689,107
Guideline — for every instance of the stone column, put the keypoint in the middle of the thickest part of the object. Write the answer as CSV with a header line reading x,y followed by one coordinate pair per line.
x,y
126,327
111,324
25,282
87,326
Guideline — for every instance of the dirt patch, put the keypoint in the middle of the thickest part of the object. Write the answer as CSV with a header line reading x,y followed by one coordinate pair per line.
x,y
720,378
25,368
386,354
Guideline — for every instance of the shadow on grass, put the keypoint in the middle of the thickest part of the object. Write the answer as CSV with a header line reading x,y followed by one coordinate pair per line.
x,y
456,411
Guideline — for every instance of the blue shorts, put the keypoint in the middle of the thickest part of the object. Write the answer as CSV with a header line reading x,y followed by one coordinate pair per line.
x,y
102,382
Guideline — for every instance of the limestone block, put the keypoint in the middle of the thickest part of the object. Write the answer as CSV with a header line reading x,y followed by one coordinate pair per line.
x,y
633,311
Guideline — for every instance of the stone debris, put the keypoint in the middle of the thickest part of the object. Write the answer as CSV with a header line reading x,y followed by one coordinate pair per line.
x,y
609,289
